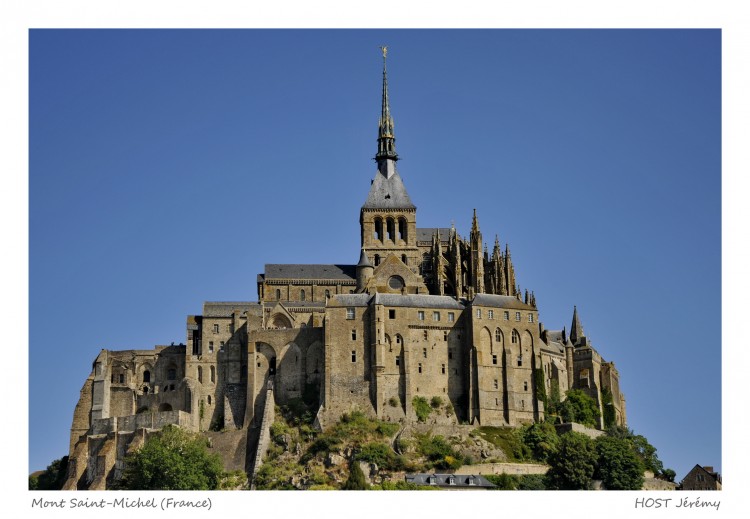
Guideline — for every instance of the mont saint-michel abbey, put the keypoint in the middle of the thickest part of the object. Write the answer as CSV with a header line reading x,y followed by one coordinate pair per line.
x,y
423,312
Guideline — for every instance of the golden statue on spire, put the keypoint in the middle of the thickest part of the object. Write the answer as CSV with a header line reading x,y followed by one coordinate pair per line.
x,y
384,50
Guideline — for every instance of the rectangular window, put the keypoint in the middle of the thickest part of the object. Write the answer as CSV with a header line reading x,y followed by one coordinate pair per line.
x,y
354,335
391,314
122,378
525,386
518,316
210,346
443,369
350,313
435,316
494,359
398,361
354,356
221,346
420,315
445,336
494,383
531,318
490,314
420,367
216,328
450,354
520,360
479,313
506,315
424,352
451,317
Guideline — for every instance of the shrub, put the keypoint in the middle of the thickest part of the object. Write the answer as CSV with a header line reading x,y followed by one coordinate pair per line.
x,y
393,401
356,479
580,408
508,439
436,402
421,407
380,454
531,482
502,481
542,440
439,452
573,467
618,466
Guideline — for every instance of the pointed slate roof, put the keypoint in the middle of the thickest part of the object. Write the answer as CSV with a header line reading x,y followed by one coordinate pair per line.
x,y
576,329
387,190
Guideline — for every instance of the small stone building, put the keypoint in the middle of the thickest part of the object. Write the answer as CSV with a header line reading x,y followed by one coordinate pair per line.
x,y
701,478
425,313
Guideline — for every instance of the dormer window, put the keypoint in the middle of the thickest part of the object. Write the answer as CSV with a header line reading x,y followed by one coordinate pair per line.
x,y
451,480
471,481
432,480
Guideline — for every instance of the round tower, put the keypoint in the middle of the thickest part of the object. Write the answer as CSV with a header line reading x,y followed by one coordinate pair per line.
x,y
364,271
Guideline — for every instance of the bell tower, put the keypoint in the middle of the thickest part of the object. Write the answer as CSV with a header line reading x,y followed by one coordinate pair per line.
x,y
388,218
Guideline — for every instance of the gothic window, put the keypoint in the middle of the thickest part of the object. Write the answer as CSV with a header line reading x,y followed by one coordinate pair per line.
x,y
402,229
302,295
498,335
390,229
516,339
426,263
350,313
147,376
213,374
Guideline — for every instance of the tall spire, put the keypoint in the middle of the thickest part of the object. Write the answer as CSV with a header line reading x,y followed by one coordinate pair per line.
x,y
576,329
386,138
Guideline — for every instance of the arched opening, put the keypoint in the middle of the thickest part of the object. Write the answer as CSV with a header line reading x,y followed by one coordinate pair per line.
x,y
142,409
402,229
172,373
390,231
278,294
280,321
165,407
379,229
302,295
200,374
377,259
404,259
213,374
147,376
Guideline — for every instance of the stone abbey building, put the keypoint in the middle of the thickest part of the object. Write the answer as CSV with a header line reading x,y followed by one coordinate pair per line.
x,y
424,312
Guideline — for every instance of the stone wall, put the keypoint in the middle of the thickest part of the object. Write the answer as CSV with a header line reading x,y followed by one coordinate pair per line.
x,y
576,427
513,469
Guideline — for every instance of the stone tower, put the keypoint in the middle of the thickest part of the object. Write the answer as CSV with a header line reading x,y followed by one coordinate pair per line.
x,y
388,218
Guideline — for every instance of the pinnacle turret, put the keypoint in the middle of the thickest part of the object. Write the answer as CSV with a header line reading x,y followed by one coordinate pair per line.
x,y
576,329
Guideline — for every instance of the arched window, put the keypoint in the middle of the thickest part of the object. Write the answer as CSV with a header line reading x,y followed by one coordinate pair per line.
x,y
498,336
200,374
390,229
209,399
213,374
302,295
404,259
516,339
147,376
328,294
377,259
278,295
402,228
378,229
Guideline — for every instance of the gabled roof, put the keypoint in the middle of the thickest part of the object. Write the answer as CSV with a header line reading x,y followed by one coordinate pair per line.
x,y
339,300
498,301
388,192
308,271
428,233
226,308
417,301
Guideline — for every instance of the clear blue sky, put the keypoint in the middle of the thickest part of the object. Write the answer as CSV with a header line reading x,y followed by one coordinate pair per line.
x,y
166,167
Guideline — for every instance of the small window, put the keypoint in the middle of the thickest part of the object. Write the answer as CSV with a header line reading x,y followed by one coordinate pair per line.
x,y
403,258
354,356
209,399
278,295
450,354
494,359
424,352
518,316
171,374
221,346
442,369
445,336
398,339
506,316
490,314
301,295
479,313
531,318
523,404
122,378
230,328
377,259
515,337
451,317
451,480
398,360
420,367
216,328
328,294
210,346
525,386
354,335
420,315
435,316
147,376
350,313
391,314
425,335
200,374
494,384
213,374
520,360
472,482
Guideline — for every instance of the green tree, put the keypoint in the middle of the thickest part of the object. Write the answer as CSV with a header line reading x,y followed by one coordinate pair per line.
x,y
174,459
542,440
53,478
644,450
618,466
580,408
608,408
573,466
356,479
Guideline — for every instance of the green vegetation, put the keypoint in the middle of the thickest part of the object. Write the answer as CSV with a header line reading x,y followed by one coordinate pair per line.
x,y
393,401
436,402
502,481
573,466
542,441
645,452
53,478
507,439
439,453
539,389
356,479
618,466
175,459
524,482
580,408
382,455
608,408
421,407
